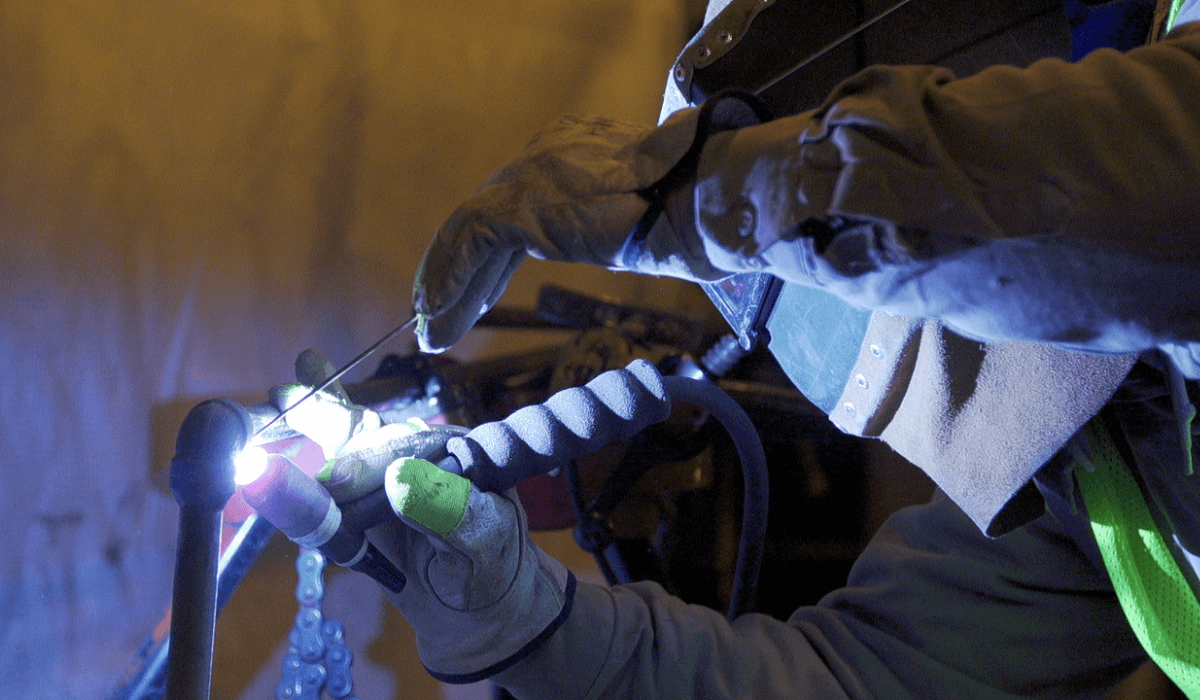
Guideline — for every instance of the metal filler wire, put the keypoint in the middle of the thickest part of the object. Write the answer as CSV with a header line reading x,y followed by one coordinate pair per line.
x,y
338,374
831,46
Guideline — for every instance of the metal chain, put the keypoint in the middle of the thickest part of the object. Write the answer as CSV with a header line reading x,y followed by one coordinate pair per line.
x,y
317,658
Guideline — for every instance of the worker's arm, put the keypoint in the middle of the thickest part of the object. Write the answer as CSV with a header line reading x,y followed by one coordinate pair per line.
x,y
574,194
933,609
1052,203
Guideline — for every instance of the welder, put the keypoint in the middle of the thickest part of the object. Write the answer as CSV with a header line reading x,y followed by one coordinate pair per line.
x,y
1027,242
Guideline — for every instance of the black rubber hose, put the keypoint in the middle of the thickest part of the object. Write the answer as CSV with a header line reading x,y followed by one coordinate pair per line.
x,y
754,479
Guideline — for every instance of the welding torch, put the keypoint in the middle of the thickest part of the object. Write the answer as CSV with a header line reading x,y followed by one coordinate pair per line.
x,y
211,441
219,437
494,456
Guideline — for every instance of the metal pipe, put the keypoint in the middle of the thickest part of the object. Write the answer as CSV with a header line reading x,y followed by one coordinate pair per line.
x,y
211,436
194,605
148,679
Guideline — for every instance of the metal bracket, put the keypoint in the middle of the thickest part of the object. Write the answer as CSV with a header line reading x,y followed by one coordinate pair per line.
x,y
715,40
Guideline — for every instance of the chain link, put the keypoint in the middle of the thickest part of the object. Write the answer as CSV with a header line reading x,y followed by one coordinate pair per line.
x,y
318,659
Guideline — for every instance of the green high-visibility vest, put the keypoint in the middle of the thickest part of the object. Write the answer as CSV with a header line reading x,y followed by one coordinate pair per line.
x,y
1158,602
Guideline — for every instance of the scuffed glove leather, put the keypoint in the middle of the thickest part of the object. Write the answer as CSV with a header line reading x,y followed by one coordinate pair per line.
x,y
576,193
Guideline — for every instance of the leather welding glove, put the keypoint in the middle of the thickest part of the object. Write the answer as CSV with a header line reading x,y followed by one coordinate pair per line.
x,y
328,417
586,189
480,595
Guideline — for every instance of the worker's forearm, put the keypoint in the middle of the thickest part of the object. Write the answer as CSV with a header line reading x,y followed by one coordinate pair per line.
x,y
639,642
1053,203
908,624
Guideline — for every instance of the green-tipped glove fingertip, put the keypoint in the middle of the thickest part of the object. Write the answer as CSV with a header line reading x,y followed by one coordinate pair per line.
x,y
325,473
435,499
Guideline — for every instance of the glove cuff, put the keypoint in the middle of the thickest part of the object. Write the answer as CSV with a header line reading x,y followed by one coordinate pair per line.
x,y
464,646
529,647
725,111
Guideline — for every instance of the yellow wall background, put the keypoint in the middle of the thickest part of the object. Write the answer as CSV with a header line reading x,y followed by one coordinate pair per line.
x,y
190,194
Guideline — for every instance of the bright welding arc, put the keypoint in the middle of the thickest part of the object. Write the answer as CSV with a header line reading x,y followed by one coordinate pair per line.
x,y
338,374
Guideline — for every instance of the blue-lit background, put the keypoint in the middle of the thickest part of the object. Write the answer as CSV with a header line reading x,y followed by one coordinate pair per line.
x,y
190,194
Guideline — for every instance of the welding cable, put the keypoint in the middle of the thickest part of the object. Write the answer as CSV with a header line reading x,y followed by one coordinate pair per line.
x,y
755,489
